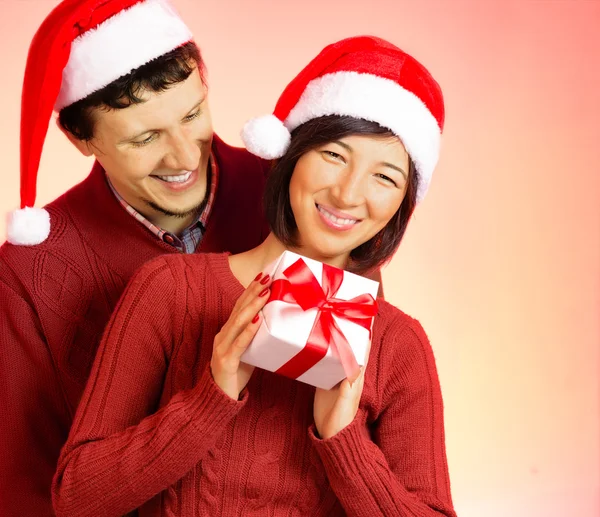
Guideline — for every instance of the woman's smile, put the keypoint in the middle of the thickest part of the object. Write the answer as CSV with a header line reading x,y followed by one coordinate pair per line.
x,y
335,219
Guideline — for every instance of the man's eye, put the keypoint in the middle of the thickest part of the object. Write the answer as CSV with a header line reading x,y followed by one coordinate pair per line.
x,y
146,141
192,116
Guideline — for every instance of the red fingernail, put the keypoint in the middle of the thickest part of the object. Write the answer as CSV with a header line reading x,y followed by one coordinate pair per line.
x,y
265,279
255,319
258,277
264,291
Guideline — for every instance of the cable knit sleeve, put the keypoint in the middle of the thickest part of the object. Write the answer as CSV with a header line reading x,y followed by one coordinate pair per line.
x,y
120,452
397,466
33,412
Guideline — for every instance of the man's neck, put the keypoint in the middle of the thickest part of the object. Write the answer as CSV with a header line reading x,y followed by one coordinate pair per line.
x,y
171,224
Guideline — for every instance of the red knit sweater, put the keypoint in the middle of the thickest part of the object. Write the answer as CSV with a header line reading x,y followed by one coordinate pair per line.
x,y
154,431
56,298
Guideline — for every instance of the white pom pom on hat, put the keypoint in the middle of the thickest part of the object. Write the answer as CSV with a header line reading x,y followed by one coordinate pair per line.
x,y
266,137
28,226
84,46
362,77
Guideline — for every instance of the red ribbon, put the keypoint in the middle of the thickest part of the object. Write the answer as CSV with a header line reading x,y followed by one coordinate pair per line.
x,y
300,287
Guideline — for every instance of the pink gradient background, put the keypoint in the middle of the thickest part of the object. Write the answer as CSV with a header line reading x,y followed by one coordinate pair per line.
x,y
502,261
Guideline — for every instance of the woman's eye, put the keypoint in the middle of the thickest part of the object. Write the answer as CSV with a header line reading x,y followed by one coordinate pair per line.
x,y
386,178
146,141
333,155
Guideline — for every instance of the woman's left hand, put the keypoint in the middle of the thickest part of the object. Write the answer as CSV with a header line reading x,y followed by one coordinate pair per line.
x,y
336,408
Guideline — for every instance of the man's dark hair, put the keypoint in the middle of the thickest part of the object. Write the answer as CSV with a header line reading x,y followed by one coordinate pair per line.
x,y
310,135
158,75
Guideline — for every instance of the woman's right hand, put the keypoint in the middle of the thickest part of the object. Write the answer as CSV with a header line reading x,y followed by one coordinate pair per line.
x,y
231,342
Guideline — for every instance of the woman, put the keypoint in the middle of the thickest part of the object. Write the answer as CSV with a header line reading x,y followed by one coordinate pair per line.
x,y
172,422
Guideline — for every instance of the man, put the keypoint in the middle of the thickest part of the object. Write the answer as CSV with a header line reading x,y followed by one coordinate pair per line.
x,y
127,82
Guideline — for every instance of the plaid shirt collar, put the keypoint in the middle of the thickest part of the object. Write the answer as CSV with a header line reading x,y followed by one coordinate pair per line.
x,y
189,239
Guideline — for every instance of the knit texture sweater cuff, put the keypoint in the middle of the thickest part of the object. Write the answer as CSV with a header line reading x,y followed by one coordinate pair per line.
x,y
363,481
146,458
344,454
359,475
210,407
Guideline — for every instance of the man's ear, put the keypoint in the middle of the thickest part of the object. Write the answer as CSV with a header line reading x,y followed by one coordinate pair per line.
x,y
82,145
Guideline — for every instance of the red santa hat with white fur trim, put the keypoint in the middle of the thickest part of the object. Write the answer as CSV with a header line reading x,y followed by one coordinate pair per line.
x,y
81,47
363,77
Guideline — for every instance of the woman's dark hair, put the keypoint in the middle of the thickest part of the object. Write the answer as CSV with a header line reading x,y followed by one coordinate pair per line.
x,y
310,135
158,75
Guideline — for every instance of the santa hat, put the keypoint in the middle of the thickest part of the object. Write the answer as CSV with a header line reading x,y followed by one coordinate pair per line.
x,y
363,77
81,47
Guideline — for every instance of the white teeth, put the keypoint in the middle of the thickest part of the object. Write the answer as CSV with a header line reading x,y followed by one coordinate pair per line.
x,y
337,220
176,179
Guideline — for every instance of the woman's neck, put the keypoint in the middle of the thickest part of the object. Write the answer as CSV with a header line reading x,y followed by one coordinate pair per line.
x,y
245,266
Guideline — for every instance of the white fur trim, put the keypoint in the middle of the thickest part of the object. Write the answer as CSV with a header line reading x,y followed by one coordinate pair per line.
x,y
128,40
380,100
28,226
266,137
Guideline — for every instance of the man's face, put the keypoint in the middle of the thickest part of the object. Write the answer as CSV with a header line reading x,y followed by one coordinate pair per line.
x,y
156,153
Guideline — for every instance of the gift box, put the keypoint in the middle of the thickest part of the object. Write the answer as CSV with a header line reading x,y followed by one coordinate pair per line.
x,y
316,325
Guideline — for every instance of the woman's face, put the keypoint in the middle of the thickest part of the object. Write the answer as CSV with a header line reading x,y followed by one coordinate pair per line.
x,y
344,192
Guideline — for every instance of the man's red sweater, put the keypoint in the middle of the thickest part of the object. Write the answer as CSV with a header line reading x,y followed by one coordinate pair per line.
x,y
56,298
154,431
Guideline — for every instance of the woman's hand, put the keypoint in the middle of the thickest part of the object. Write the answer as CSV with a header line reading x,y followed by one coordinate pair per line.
x,y
336,408
231,342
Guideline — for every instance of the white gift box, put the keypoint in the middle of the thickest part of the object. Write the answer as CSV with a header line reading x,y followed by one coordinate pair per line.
x,y
285,327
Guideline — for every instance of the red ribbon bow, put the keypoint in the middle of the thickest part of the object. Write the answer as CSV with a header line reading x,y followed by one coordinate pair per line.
x,y
302,288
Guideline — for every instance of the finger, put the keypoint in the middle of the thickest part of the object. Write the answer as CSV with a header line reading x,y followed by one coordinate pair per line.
x,y
256,287
360,382
254,290
246,319
247,313
367,355
346,389
251,289
243,340
228,352
355,387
